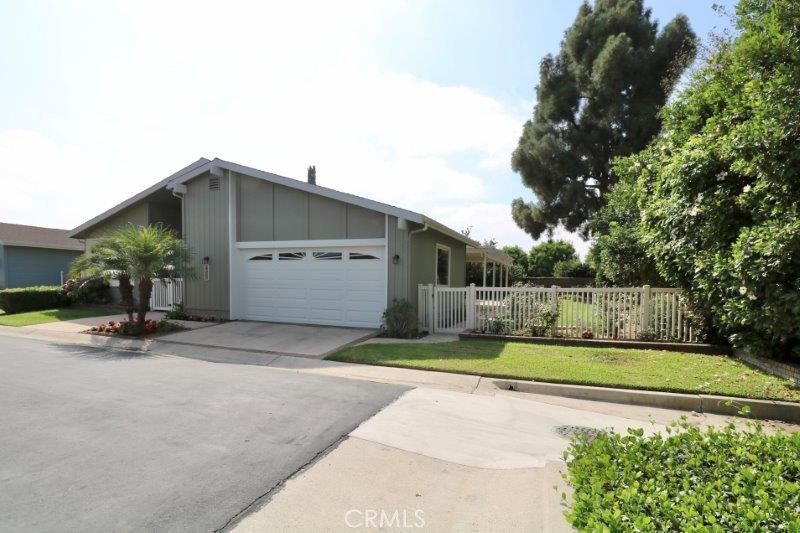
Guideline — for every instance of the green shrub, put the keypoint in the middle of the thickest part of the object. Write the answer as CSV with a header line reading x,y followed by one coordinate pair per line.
x,y
176,312
400,320
720,194
87,291
496,325
572,268
687,480
32,298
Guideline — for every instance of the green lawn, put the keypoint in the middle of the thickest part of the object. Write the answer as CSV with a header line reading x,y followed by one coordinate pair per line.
x,y
609,367
52,315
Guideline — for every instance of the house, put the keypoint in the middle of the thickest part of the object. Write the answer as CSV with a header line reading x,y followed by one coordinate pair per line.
x,y
30,255
266,247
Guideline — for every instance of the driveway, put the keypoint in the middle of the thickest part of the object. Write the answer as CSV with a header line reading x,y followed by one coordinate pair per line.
x,y
292,339
104,440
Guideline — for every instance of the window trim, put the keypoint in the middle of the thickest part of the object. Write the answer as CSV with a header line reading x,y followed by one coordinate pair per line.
x,y
436,264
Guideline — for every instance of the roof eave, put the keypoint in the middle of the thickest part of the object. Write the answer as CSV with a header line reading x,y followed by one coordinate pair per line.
x,y
307,187
441,228
28,244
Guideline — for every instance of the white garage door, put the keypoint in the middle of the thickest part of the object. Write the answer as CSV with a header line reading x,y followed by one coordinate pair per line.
x,y
343,286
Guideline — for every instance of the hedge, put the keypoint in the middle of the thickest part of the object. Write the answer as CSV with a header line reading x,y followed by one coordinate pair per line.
x,y
32,298
686,480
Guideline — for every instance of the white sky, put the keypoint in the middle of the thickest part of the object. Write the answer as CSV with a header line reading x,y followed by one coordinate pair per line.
x,y
101,99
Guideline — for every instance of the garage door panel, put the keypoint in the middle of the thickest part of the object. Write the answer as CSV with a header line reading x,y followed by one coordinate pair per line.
x,y
325,287
322,295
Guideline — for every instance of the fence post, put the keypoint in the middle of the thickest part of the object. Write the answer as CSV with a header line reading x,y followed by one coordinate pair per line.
x,y
471,307
433,309
646,311
554,297
421,304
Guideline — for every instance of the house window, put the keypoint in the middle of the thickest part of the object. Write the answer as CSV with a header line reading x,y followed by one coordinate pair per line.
x,y
357,255
291,256
328,256
263,257
442,265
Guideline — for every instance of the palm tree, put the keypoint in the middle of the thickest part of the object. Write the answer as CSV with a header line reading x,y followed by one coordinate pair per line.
x,y
140,253
105,261
150,252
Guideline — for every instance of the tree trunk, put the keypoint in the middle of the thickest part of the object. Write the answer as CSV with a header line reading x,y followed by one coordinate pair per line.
x,y
126,293
145,289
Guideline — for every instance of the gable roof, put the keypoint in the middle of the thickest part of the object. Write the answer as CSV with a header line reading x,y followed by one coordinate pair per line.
x,y
216,166
37,237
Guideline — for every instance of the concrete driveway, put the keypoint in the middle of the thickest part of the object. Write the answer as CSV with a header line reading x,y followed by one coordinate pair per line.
x,y
104,440
292,339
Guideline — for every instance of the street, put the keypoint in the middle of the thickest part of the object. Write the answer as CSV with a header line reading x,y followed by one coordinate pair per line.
x,y
109,440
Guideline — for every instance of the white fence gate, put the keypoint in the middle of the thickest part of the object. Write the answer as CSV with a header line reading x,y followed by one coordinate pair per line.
x,y
165,294
626,313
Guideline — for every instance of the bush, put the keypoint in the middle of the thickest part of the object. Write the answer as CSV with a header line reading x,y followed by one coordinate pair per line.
x,y
618,255
540,317
720,194
176,312
687,480
572,268
32,298
87,291
400,320
496,326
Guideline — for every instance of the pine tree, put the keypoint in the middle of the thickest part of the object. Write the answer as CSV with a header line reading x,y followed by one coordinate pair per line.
x,y
597,99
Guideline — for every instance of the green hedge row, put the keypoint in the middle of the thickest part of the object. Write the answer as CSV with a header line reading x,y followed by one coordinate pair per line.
x,y
687,480
32,298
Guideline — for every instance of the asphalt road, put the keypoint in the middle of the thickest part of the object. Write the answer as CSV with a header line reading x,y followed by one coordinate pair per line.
x,y
105,440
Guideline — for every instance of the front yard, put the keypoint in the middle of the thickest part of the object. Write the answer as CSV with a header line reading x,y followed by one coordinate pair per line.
x,y
51,315
607,367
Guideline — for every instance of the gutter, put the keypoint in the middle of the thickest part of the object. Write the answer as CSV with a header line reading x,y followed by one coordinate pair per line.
x,y
420,230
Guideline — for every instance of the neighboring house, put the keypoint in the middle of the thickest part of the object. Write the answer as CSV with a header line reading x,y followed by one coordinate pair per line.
x,y
30,255
267,247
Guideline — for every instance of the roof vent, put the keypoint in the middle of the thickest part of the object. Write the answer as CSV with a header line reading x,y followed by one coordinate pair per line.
x,y
312,175
213,183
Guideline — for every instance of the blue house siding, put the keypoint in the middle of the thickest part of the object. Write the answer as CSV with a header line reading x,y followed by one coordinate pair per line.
x,y
2,267
25,266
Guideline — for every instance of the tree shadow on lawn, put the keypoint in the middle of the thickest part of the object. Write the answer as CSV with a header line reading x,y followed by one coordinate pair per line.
x,y
102,354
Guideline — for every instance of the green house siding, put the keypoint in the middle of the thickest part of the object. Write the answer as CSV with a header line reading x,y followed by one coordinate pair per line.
x,y
271,212
2,267
205,231
423,260
399,271
24,266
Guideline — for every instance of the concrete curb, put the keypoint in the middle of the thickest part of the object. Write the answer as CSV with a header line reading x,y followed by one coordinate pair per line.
x,y
700,403
710,349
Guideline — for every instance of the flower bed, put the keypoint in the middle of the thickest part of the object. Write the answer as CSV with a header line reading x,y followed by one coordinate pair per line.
x,y
125,328
606,343
177,313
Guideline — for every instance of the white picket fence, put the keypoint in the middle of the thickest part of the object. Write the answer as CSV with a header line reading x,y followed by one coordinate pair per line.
x,y
165,294
626,313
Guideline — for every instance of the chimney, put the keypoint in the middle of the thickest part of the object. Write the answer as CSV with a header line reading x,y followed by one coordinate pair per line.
x,y
312,175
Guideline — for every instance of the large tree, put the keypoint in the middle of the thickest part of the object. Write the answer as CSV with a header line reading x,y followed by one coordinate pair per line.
x,y
597,99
